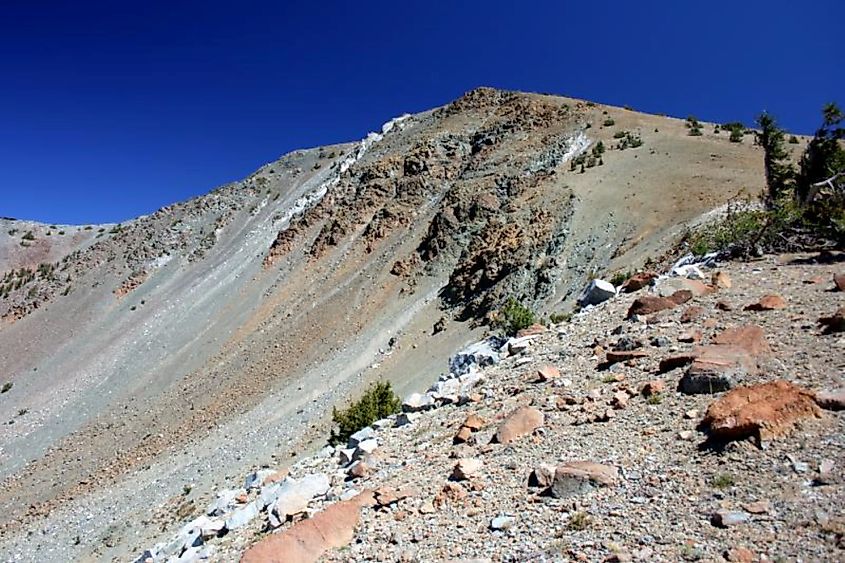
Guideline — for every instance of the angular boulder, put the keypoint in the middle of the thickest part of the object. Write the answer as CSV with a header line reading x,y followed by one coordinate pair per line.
x,y
416,402
717,368
721,280
637,282
578,477
761,411
548,373
650,304
598,291
465,468
522,421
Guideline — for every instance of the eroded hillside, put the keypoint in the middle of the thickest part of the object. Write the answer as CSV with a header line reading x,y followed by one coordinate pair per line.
x,y
153,357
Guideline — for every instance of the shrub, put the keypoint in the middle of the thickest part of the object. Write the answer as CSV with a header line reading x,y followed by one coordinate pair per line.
x,y
620,134
793,140
695,131
654,399
7,387
514,316
598,149
28,236
609,122
378,401
723,481
579,521
736,136
619,278
557,318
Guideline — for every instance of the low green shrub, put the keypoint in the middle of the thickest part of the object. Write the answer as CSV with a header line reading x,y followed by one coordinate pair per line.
x,y
514,316
378,401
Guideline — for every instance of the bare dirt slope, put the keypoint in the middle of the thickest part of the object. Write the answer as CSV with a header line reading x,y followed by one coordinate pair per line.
x,y
156,356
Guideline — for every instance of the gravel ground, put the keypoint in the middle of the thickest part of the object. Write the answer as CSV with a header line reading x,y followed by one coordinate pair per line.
x,y
671,482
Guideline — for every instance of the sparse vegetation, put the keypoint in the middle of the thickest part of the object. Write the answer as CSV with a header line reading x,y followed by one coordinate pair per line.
x,y
694,126
514,316
609,122
28,236
802,208
579,521
378,401
619,278
654,399
723,481
557,318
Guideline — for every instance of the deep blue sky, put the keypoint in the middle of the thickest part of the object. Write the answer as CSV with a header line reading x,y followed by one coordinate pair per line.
x,y
112,109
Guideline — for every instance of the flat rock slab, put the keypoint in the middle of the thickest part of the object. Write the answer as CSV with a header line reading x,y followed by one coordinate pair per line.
x,y
650,304
767,303
578,477
717,368
520,422
751,338
762,411
833,400
307,540
614,357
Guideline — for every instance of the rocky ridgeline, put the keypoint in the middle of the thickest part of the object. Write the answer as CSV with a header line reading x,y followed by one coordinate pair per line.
x,y
685,421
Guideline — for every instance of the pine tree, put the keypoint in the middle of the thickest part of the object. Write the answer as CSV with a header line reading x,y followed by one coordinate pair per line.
x,y
824,156
779,173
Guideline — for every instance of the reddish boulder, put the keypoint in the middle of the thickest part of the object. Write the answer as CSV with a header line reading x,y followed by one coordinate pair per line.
x,y
522,421
654,387
614,357
750,338
649,304
637,282
834,323
691,313
763,410
767,303
676,360
681,296
548,373
839,281
721,280
307,540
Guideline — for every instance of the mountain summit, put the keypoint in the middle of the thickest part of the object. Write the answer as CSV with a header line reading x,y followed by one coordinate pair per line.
x,y
147,361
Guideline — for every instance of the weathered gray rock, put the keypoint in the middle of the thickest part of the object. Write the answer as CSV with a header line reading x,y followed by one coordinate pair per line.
x,y
480,354
242,516
502,522
578,477
727,518
598,291
365,448
416,402
256,478
406,418
363,434
294,495
224,502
